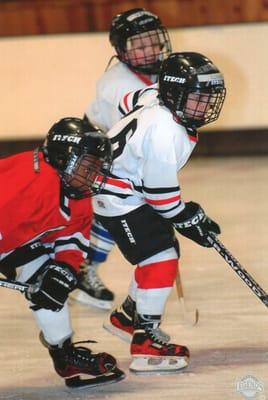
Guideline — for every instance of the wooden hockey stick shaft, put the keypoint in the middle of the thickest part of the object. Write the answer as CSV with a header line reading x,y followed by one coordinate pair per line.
x,y
21,287
238,269
179,286
180,294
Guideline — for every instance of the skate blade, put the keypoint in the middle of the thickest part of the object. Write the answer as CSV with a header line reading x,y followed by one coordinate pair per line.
x,y
113,376
125,336
153,365
83,298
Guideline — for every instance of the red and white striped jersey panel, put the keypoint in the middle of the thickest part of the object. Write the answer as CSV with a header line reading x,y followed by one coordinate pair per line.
x,y
132,98
168,204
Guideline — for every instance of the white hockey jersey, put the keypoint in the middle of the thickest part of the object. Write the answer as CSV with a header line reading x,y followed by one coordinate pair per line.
x,y
149,148
111,87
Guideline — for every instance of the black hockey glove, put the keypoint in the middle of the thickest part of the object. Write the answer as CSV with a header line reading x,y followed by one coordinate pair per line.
x,y
193,223
52,286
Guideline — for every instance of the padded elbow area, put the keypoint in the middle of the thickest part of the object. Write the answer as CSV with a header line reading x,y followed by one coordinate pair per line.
x,y
157,275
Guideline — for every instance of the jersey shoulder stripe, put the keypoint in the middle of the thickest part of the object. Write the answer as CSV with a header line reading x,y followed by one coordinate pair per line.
x,y
131,99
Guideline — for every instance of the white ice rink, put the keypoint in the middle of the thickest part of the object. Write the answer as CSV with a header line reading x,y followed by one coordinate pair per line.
x,y
230,341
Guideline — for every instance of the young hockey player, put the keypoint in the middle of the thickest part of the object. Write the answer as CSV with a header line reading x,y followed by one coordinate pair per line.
x,y
141,201
141,43
45,222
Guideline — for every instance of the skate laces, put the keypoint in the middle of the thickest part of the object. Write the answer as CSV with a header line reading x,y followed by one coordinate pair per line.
x,y
80,354
93,363
91,279
158,335
151,325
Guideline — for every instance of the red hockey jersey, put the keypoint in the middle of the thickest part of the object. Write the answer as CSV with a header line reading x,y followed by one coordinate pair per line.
x,y
32,206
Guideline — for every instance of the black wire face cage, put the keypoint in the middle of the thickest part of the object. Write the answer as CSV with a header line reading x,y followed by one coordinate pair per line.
x,y
84,175
145,51
201,107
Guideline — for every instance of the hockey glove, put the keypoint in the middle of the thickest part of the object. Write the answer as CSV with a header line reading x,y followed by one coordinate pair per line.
x,y
52,286
193,223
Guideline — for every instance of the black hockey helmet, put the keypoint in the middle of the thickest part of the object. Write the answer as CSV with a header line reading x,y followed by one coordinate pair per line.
x,y
140,40
192,88
81,153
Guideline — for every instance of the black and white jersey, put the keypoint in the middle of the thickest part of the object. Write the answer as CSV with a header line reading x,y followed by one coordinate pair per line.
x,y
149,148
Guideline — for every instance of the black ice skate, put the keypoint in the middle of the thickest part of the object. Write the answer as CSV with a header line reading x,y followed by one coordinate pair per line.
x,y
91,291
72,363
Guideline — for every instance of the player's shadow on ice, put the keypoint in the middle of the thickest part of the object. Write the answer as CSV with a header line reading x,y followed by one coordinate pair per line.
x,y
231,356
56,390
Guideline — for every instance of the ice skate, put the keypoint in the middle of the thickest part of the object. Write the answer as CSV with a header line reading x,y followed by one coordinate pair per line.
x,y
121,324
151,353
91,291
73,363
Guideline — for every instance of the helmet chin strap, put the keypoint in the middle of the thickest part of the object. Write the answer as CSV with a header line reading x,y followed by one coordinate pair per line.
x,y
147,69
115,56
70,191
36,162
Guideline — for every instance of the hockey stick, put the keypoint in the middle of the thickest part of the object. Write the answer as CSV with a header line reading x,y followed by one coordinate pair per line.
x,y
193,319
21,287
238,269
